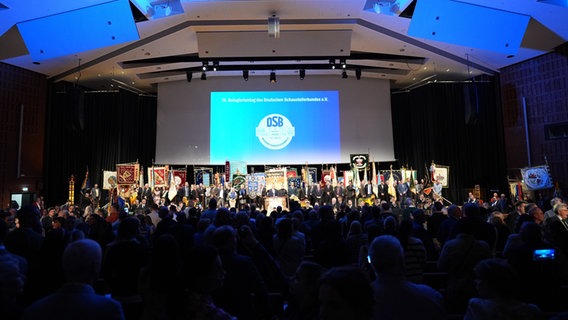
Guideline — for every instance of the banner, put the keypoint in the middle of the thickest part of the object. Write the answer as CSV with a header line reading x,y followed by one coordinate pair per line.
x,y
203,175
359,161
291,172
255,182
109,180
127,173
276,178
537,178
180,177
440,173
238,168
157,177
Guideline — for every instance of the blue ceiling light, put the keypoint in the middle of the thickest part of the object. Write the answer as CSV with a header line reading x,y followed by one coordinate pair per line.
x,y
157,9
387,7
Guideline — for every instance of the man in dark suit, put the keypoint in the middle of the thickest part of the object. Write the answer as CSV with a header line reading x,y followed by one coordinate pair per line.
x,y
316,193
557,227
383,191
77,299
368,189
327,194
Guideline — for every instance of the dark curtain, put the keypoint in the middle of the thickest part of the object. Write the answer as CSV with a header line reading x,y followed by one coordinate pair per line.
x,y
95,130
457,125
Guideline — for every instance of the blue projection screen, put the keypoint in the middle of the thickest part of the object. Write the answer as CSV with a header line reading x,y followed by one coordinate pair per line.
x,y
276,126
318,120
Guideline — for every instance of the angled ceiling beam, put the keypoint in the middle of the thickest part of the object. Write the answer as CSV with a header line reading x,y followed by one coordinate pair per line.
x,y
187,24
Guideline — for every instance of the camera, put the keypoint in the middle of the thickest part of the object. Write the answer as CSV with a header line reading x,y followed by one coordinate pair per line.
x,y
544,254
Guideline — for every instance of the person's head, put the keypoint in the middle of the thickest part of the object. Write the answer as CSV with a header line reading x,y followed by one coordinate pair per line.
x,y
520,206
471,210
82,261
225,239
11,277
454,211
495,278
28,216
537,214
305,283
204,270
129,228
387,257
561,210
212,204
345,293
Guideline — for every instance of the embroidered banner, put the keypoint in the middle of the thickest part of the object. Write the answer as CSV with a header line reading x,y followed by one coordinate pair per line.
x,y
127,173
537,178
109,180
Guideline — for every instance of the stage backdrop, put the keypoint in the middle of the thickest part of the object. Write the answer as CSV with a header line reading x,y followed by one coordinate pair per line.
x,y
321,119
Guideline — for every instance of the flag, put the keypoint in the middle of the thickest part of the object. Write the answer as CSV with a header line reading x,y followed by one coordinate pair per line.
x,y
375,180
141,179
109,180
392,189
519,191
86,183
172,192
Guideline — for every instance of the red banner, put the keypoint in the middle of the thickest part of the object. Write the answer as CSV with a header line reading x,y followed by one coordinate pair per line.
x,y
127,173
179,177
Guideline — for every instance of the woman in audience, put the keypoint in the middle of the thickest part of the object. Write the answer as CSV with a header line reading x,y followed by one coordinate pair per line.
x,y
497,284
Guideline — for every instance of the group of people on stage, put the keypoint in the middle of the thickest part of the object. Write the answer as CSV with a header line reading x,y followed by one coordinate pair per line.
x,y
397,193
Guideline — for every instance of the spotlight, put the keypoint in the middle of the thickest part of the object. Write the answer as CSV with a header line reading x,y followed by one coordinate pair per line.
x,y
343,63
302,74
203,76
246,75
344,75
205,65
188,75
273,77
358,73
215,65
332,63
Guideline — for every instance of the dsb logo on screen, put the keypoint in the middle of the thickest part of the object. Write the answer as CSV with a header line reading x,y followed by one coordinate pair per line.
x,y
274,121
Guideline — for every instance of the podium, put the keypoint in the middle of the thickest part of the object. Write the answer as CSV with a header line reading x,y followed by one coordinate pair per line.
x,y
270,203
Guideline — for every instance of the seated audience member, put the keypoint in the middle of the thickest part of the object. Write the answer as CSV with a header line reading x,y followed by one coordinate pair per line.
x,y
205,274
355,240
396,297
498,287
303,303
77,299
161,281
458,258
244,294
345,293
414,253
123,260
454,215
11,284
289,250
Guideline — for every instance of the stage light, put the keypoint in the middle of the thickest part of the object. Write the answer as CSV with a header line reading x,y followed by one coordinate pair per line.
x,y
332,63
188,75
358,73
205,65
273,77
215,65
343,63
246,75
203,76
344,75
302,74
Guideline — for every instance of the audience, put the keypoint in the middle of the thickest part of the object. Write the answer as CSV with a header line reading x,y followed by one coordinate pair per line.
x,y
197,266
395,296
498,286
345,293
77,299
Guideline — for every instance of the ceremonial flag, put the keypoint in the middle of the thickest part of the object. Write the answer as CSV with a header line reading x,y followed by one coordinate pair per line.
x,y
127,173
537,178
86,184
141,178
519,191
392,189
375,181
172,192
109,180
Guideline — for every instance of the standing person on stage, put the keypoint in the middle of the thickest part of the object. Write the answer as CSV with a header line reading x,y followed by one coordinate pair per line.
x,y
201,194
350,192
146,193
437,188
186,190
401,191
96,195
317,194
368,189
327,193
383,191
242,196
292,190
339,191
